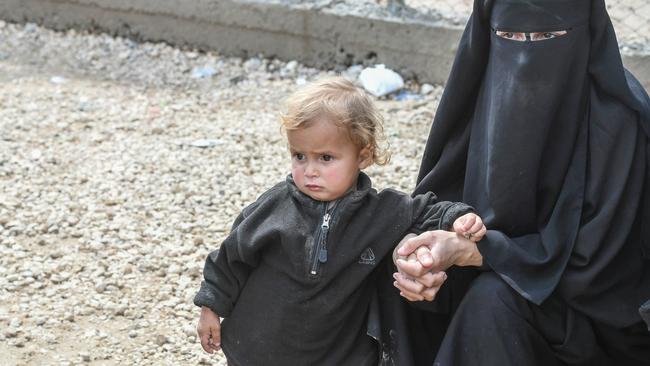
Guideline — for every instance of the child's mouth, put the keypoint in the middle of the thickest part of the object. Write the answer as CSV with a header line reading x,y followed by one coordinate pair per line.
x,y
313,187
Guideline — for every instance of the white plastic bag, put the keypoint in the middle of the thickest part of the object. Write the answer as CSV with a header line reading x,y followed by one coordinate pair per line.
x,y
380,81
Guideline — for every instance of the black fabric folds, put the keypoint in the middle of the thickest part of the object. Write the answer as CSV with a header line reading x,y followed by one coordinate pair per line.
x,y
548,140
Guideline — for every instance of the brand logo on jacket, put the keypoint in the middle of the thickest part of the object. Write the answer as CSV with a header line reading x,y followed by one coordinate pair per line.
x,y
367,257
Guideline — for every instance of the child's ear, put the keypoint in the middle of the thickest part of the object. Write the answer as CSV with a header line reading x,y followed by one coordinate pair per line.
x,y
365,158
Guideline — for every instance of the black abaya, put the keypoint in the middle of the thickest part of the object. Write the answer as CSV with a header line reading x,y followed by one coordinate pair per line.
x,y
548,140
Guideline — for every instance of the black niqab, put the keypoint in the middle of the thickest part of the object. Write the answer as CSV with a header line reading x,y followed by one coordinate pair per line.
x,y
549,141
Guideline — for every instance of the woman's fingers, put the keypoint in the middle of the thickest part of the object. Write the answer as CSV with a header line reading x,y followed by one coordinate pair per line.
x,y
408,284
403,286
410,296
430,293
413,290
410,268
419,284
431,280
412,244
423,255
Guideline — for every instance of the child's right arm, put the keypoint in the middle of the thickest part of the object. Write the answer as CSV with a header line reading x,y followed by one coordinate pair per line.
x,y
224,274
227,269
209,329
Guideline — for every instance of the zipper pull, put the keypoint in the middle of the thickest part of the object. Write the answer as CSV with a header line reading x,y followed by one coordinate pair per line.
x,y
322,254
326,221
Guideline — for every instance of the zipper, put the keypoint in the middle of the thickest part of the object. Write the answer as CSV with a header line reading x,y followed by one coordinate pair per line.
x,y
320,252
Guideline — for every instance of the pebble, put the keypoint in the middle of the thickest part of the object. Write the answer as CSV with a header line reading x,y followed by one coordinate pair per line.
x,y
427,89
161,340
175,269
189,331
68,316
85,356
10,332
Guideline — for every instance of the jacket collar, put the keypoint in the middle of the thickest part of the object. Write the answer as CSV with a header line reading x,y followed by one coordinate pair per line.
x,y
364,186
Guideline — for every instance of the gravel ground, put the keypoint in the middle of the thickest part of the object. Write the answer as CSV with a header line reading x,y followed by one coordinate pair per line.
x,y
121,166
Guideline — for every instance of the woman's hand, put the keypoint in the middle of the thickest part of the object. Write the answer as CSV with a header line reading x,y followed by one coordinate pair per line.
x,y
435,252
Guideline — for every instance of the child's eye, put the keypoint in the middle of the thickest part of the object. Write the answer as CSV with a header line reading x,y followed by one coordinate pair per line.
x,y
327,157
299,156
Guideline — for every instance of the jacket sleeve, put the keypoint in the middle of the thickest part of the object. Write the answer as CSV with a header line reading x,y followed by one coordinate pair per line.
x,y
431,214
228,267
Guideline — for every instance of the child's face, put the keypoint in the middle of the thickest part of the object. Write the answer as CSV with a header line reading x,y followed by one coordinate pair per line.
x,y
324,162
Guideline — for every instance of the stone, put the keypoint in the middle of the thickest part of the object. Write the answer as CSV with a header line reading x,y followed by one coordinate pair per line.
x,y
161,340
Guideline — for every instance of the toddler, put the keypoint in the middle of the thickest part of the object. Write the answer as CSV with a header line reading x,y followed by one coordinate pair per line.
x,y
294,279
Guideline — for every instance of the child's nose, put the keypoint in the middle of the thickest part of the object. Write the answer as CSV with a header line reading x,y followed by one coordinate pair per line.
x,y
311,170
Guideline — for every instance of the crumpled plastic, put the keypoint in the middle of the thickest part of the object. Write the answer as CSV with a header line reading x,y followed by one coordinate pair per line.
x,y
379,80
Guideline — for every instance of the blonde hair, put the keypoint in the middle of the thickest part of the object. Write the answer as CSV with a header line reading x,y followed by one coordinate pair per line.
x,y
347,105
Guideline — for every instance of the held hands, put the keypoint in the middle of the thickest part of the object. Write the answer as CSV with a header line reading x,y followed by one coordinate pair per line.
x,y
426,286
470,226
422,260
209,330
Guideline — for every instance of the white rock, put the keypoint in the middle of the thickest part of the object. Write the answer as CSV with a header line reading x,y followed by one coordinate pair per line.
x,y
426,89
10,332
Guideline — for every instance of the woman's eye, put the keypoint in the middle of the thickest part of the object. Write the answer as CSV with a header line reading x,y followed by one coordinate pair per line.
x,y
508,35
516,36
327,157
542,36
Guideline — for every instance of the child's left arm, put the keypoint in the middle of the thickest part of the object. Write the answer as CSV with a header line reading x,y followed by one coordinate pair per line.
x,y
431,214
470,226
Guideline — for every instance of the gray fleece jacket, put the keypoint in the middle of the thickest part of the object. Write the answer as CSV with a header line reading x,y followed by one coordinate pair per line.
x,y
294,278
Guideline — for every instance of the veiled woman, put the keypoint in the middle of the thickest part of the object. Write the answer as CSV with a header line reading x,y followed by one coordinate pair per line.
x,y
544,132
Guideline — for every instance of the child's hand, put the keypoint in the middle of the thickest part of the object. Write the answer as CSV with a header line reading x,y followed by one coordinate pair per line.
x,y
209,330
471,226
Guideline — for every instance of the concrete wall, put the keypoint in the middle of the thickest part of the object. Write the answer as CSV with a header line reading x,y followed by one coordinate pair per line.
x,y
315,33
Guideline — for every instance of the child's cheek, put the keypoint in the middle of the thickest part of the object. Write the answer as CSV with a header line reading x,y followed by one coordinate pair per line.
x,y
331,175
297,175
